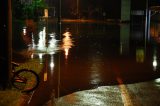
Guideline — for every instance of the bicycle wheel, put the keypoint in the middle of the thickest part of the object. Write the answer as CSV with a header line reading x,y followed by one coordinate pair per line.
x,y
25,80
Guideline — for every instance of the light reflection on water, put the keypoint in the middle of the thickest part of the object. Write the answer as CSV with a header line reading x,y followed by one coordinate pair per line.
x,y
96,53
51,47
48,44
67,43
95,73
43,46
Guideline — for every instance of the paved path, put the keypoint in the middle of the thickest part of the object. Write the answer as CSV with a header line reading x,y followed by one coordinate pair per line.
x,y
138,94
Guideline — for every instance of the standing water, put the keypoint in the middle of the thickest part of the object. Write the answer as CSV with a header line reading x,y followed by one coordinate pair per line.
x,y
89,55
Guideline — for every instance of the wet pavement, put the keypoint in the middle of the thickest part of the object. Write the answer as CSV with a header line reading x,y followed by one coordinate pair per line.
x,y
137,94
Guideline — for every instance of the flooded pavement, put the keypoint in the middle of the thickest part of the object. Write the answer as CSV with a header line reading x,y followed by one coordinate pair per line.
x,y
82,56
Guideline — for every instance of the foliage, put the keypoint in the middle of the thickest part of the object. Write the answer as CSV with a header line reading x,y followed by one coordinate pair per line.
x,y
17,9
30,10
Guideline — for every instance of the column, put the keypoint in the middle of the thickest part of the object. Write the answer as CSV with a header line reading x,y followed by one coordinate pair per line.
x,y
125,10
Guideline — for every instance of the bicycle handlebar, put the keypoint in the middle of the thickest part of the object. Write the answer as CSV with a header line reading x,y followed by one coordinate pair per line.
x,y
14,64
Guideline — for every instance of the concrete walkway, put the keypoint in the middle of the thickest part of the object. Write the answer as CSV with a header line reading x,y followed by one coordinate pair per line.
x,y
138,94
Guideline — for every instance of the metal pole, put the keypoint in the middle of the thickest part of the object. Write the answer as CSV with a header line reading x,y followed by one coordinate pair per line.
x,y
146,21
59,68
78,9
146,26
9,39
59,16
149,21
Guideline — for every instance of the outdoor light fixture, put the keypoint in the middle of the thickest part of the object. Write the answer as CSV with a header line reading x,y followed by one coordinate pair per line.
x,y
46,13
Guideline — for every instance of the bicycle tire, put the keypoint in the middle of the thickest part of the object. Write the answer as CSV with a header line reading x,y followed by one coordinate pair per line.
x,y
31,78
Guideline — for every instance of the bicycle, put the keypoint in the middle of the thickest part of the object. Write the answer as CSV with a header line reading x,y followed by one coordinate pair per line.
x,y
24,79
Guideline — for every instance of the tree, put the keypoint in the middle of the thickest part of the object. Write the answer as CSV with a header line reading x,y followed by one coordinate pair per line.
x,y
28,10
35,9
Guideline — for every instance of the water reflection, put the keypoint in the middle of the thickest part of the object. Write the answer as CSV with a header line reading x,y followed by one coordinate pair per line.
x,y
124,39
154,63
140,55
95,73
67,43
47,44
42,40
40,55
157,82
155,34
52,62
43,45
101,53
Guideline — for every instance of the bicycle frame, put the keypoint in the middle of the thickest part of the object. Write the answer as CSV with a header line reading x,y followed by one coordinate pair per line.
x,y
18,78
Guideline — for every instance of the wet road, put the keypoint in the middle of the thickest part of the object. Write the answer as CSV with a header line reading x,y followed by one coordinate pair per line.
x,y
137,94
88,55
